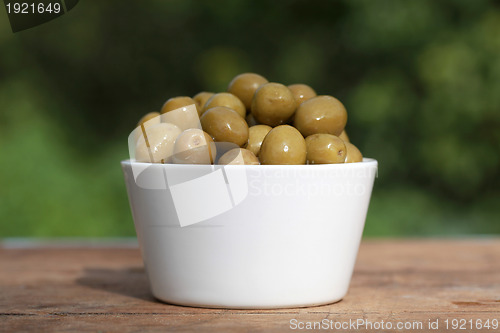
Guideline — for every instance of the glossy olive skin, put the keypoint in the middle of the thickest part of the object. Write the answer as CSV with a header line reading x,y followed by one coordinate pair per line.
x,y
225,125
239,156
283,145
175,103
325,149
157,145
193,146
321,114
201,98
353,154
301,93
344,136
273,104
228,100
256,135
244,86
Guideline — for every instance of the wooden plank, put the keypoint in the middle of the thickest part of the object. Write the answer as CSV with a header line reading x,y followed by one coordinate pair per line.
x,y
91,289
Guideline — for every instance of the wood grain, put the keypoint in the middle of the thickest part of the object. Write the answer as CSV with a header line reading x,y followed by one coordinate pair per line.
x,y
106,289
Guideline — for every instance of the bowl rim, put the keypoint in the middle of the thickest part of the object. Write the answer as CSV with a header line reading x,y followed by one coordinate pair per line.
x,y
365,163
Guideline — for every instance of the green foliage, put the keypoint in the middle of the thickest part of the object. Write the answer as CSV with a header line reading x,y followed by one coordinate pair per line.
x,y
420,80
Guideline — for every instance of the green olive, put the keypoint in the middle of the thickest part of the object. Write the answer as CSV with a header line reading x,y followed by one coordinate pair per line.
x,y
325,149
201,98
344,136
244,86
301,93
353,154
193,146
321,114
228,100
157,145
225,125
256,135
239,156
175,103
283,145
273,104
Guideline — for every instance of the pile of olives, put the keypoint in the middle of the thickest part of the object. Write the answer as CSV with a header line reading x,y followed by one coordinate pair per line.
x,y
264,122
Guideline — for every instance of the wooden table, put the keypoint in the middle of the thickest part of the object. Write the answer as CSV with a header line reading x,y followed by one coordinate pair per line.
x,y
401,282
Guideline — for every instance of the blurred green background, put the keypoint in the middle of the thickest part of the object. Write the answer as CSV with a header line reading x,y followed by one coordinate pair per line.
x,y
420,80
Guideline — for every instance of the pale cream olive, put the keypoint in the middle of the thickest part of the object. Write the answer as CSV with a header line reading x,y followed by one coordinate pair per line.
x,y
239,156
353,153
283,145
301,93
321,114
228,100
256,135
178,102
244,86
325,149
225,125
157,145
151,118
201,98
148,120
193,146
184,117
344,136
273,104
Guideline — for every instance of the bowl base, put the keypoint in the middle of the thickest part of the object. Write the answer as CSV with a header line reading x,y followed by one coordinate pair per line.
x,y
246,307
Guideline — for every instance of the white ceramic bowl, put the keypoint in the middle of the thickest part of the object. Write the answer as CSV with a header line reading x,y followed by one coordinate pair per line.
x,y
263,236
